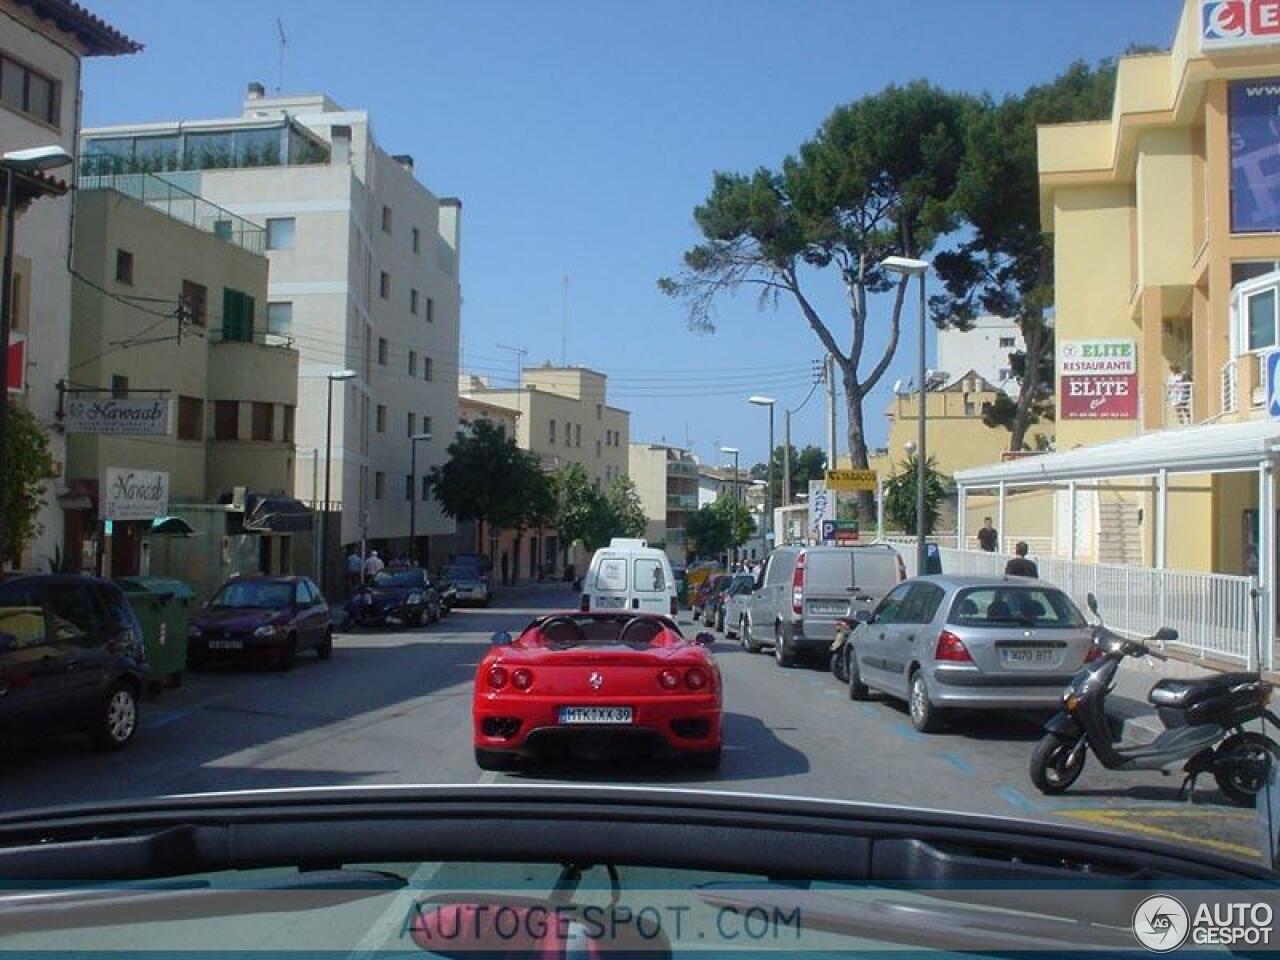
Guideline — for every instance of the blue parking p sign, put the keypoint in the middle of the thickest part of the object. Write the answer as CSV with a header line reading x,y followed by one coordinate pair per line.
x,y
1273,384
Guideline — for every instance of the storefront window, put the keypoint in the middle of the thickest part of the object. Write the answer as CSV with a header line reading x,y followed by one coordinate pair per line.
x,y
1254,122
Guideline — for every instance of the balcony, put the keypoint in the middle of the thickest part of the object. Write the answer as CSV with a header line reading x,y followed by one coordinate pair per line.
x,y
682,468
1179,404
682,501
676,535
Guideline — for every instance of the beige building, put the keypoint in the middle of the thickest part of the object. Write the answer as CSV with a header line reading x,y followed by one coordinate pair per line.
x,y
666,479
170,313
42,43
564,418
365,265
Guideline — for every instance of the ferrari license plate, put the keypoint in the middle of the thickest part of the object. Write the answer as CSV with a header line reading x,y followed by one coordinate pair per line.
x,y
1028,656
601,715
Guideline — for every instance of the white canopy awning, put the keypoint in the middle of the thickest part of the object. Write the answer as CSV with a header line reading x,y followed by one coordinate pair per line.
x,y
1214,447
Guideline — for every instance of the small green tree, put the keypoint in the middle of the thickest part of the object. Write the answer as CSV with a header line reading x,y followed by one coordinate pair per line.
x,y
625,509
719,527
28,465
900,496
581,511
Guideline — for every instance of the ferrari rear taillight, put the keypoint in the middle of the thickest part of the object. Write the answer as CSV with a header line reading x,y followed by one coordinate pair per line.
x,y
668,680
522,679
695,678
951,649
497,677
797,585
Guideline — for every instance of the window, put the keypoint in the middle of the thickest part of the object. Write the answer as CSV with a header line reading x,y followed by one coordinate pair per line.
x,y
413,363
301,596
599,411
384,285
1251,269
408,486
119,386
649,576
287,424
426,488
1026,606
1005,373
568,434
73,616
612,574
195,302
411,421
379,485
382,351
415,238
426,423
22,615
226,420
386,219
237,316
597,448
1261,309
426,368
280,317
921,604
413,302
577,435
431,310
891,606
190,418
29,92
124,266
1007,341
222,230
281,233
380,418
263,418
551,431
970,408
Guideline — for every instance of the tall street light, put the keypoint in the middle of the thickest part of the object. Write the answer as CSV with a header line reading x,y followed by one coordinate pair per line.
x,y
917,268
413,491
768,527
734,451
15,162
333,377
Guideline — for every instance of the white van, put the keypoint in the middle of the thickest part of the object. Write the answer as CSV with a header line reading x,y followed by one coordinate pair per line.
x,y
630,575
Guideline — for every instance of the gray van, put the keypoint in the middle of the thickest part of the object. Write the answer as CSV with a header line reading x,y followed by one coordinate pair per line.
x,y
803,591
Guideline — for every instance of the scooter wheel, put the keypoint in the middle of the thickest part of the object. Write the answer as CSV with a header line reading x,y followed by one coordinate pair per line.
x,y
1052,770
1242,765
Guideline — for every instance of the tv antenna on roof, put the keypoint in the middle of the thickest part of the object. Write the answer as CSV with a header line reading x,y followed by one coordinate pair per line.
x,y
284,43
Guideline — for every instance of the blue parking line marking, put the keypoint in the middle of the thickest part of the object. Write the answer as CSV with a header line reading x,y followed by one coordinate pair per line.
x,y
958,762
1015,798
907,732
165,719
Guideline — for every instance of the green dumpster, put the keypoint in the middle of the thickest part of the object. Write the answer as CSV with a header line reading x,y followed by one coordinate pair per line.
x,y
163,607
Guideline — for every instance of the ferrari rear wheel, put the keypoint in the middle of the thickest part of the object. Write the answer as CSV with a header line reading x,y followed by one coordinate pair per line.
x,y
499,760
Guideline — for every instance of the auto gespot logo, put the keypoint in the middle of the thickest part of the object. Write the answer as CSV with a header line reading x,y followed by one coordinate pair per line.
x,y
1162,923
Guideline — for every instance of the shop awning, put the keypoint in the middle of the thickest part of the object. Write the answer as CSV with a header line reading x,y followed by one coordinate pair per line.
x,y
272,514
1208,448
171,527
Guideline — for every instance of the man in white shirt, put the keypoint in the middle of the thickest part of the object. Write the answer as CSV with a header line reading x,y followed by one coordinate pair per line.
x,y
373,565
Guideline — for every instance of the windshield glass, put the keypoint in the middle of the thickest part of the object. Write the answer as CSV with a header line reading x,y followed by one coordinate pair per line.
x,y
264,594
398,578
1000,606
571,632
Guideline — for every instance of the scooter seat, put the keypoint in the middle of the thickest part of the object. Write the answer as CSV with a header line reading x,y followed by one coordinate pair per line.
x,y
1180,694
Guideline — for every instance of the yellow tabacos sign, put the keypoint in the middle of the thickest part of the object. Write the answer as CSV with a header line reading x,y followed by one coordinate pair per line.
x,y
851,481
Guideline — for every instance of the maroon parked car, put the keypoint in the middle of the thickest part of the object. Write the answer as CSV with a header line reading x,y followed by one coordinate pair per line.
x,y
261,618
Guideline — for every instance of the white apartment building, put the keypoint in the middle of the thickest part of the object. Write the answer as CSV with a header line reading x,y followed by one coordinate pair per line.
x,y
41,46
984,348
364,275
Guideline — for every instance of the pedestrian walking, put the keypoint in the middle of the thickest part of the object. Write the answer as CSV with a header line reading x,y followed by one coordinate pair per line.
x,y
1020,565
373,565
355,569
988,536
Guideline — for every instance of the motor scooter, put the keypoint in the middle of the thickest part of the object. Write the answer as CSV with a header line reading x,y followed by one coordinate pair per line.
x,y
1204,724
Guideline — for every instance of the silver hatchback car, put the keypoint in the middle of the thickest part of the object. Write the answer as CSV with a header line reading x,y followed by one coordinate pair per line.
x,y
973,642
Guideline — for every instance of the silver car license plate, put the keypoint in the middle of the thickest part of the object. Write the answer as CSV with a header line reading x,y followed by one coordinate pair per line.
x,y
1023,657
828,606
601,715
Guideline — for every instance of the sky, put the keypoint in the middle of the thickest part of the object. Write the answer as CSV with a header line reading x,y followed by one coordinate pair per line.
x,y
581,135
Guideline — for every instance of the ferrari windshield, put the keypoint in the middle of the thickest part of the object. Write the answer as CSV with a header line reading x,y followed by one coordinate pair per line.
x,y
601,631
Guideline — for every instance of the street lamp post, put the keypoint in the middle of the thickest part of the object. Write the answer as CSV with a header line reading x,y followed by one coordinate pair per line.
x,y
413,491
332,378
14,162
736,497
768,526
918,268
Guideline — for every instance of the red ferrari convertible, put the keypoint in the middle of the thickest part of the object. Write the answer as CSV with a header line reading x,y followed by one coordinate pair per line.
x,y
594,685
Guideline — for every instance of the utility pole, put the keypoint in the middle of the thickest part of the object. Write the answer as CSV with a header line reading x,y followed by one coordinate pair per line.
x,y
520,353
564,326
829,373
786,458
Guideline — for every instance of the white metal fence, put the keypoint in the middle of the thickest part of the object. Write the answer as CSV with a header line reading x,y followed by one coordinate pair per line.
x,y
1212,612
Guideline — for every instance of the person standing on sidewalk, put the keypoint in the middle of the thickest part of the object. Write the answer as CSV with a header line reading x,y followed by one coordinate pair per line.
x,y
988,536
355,568
373,565
1019,565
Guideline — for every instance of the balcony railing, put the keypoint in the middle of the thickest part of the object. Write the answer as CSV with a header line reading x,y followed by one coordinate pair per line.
x,y
676,535
1179,404
182,205
682,468
1228,387
682,501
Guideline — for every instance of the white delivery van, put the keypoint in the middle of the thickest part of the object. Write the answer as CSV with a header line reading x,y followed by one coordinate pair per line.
x,y
630,575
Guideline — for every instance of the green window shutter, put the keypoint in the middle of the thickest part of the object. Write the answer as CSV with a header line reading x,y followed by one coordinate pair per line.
x,y
247,302
237,315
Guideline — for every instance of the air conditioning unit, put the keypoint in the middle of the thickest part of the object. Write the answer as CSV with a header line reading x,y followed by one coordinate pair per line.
x,y
238,497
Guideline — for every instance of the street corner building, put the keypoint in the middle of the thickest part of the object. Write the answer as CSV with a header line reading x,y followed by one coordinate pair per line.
x,y
1166,227
42,44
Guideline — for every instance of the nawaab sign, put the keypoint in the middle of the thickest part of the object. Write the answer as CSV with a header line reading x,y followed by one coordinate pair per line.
x,y
118,417
1098,379
134,494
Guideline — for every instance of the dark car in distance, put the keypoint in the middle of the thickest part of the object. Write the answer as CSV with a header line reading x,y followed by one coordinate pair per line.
x,y
261,618
71,657
400,596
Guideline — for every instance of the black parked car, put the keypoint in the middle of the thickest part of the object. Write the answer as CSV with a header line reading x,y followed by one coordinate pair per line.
x,y
403,596
71,657
261,618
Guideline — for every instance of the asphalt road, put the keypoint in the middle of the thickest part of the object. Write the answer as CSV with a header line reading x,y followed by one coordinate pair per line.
x,y
395,708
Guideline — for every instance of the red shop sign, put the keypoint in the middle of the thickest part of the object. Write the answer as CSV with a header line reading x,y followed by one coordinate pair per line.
x,y
1100,397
